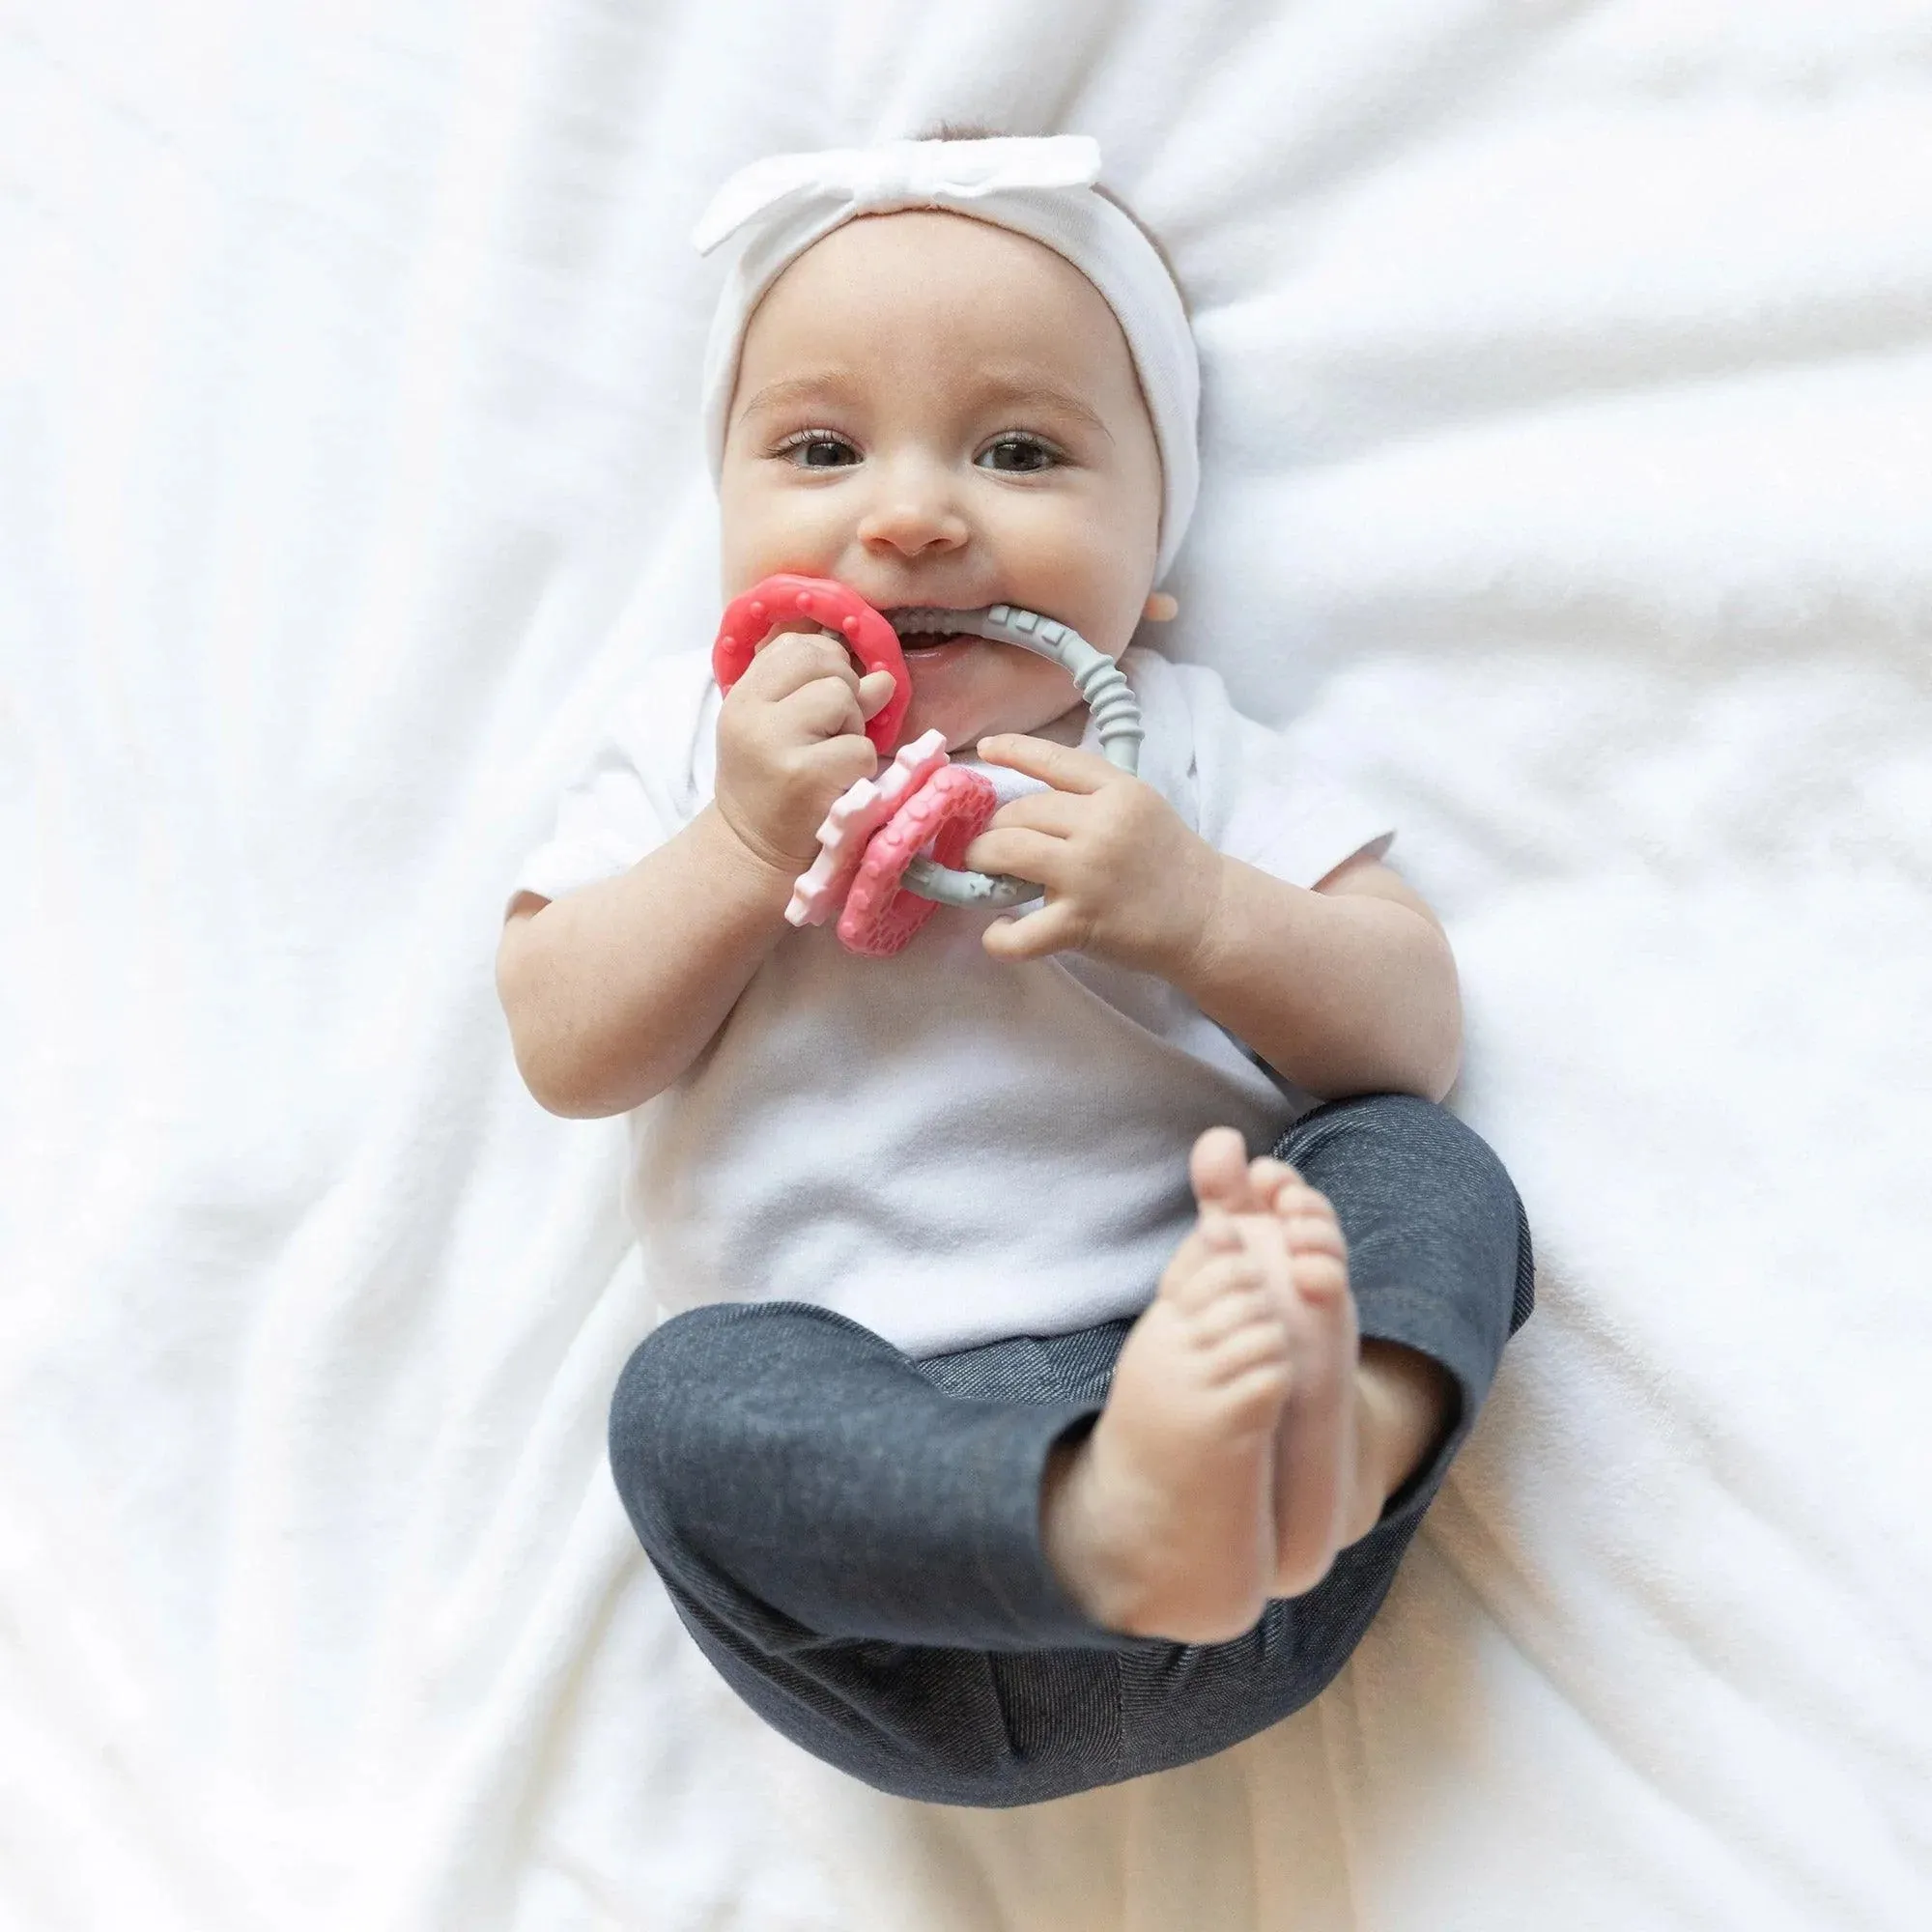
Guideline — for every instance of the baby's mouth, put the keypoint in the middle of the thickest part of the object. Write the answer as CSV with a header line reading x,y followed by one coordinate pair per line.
x,y
923,628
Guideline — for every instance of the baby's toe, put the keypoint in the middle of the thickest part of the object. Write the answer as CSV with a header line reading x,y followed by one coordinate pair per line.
x,y
1267,1178
1313,1231
1251,1377
1218,1171
1295,1195
1320,1278
1243,1307
1242,1338
1213,1234
1192,1291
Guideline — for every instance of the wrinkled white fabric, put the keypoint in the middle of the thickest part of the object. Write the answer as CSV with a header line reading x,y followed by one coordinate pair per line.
x,y
1568,401
1041,186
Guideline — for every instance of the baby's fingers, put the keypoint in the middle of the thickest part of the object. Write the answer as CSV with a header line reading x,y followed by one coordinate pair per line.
x,y
1037,856
828,707
1058,812
1064,767
843,760
794,660
1053,928
875,693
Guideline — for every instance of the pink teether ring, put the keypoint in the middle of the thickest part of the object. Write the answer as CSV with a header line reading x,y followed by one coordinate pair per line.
x,y
749,619
946,814
864,806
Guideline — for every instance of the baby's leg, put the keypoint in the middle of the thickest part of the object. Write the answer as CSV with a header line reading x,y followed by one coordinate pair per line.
x,y
798,1460
857,1541
852,1539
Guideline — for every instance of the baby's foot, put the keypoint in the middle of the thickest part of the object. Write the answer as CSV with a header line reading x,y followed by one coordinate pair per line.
x,y
1317,1477
1162,1522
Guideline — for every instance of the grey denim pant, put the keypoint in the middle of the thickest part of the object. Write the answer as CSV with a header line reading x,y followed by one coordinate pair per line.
x,y
853,1538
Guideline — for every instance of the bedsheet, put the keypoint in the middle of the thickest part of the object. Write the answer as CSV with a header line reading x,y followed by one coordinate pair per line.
x,y
1568,376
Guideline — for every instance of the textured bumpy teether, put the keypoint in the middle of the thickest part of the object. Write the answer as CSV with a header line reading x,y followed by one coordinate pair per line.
x,y
943,816
852,820
749,619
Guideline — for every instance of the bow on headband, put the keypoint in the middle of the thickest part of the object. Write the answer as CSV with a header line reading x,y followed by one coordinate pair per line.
x,y
898,174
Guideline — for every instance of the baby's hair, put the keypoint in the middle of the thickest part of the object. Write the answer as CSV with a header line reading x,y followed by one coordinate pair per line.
x,y
957,131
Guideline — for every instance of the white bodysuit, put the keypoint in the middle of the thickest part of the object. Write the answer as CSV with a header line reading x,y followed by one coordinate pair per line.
x,y
947,1149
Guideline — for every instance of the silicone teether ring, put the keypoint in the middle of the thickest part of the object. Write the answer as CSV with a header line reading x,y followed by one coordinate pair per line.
x,y
864,806
1117,718
749,619
947,813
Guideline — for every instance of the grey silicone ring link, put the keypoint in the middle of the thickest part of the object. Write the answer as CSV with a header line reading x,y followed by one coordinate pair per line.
x,y
1116,717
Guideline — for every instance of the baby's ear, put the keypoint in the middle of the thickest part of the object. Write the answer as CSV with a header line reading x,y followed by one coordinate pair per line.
x,y
1160,608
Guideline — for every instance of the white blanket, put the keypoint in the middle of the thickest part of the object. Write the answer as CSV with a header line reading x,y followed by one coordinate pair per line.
x,y
1569,380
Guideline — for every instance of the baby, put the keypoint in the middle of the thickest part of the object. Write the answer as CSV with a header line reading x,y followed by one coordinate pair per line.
x,y
1011,1431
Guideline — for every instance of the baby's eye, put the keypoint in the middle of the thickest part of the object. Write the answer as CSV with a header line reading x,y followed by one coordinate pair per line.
x,y
1017,453
817,449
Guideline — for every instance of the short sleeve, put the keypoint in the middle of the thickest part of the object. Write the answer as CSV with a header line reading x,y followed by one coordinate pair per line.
x,y
646,781
1261,799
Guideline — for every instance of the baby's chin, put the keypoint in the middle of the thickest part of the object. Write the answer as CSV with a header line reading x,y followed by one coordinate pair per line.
x,y
963,726
968,695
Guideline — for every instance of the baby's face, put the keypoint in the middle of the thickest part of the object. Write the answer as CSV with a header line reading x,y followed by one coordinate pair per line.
x,y
938,411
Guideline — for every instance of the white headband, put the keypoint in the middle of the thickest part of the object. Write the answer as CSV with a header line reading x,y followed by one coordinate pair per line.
x,y
1041,186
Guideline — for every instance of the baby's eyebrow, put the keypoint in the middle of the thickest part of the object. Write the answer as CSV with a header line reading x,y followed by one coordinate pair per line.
x,y
1017,391
1033,392
827,387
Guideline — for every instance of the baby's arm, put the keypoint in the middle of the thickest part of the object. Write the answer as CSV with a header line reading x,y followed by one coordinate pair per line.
x,y
1350,988
612,991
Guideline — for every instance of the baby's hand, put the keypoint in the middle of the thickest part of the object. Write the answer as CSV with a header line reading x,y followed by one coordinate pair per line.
x,y
791,737
1125,879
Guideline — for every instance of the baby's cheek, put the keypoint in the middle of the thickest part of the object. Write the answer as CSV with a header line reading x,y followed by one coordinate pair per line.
x,y
763,531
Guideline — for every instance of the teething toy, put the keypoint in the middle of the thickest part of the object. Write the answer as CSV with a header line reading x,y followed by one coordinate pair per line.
x,y
891,846
749,619
1110,702
947,814
855,815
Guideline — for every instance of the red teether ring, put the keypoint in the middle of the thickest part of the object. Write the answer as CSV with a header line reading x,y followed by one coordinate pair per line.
x,y
947,813
748,622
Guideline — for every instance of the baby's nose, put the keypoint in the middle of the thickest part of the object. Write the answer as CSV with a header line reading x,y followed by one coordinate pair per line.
x,y
912,521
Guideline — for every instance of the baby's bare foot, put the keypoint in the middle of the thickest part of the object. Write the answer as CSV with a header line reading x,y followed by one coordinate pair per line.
x,y
1317,1469
1163,1522
1326,1492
